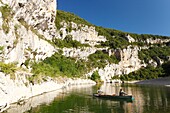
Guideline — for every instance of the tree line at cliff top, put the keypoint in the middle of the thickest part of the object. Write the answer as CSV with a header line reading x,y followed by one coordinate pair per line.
x,y
115,38
109,33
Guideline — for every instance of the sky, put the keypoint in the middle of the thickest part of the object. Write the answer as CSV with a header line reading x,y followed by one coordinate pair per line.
x,y
134,16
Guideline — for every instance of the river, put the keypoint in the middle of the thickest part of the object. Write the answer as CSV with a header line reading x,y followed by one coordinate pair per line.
x,y
79,99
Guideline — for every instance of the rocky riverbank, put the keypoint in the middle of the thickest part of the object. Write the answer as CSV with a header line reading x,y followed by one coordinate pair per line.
x,y
19,89
47,98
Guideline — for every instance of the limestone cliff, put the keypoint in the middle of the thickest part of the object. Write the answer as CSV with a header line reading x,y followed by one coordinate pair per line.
x,y
129,56
25,27
40,14
82,33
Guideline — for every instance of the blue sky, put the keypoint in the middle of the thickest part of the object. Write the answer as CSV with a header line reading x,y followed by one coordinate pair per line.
x,y
135,16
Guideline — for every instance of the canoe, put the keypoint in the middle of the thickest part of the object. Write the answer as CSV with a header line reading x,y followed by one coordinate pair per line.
x,y
114,97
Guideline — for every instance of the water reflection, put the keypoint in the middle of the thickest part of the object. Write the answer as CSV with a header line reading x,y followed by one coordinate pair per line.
x,y
31,103
46,99
148,99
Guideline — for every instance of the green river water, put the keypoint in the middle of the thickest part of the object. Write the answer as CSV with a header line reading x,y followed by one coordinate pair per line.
x,y
148,99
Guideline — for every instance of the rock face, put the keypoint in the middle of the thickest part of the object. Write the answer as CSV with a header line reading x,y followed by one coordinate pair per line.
x,y
29,45
14,90
157,41
25,27
82,33
37,13
31,23
80,53
129,62
130,39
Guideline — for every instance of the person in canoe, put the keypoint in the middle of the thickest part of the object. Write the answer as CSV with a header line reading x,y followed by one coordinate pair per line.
x,y
122,93
99,91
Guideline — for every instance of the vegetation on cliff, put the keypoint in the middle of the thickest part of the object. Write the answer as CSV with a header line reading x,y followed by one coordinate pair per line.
x,y
65,66
6,15
59,65
115,38
146,73
8,69
95,77
68,42
100,59
158,54
155,53
68,17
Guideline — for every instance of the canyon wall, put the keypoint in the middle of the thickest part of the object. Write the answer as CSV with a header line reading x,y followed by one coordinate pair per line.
x,y
25,27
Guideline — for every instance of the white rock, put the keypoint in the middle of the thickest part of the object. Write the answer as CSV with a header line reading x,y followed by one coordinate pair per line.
x,y
85,35
20,88
129,63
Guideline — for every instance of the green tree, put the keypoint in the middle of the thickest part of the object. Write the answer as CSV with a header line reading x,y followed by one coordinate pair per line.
x,y
95,76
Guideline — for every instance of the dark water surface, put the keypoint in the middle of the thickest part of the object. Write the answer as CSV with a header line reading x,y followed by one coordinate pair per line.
x,y
148,99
